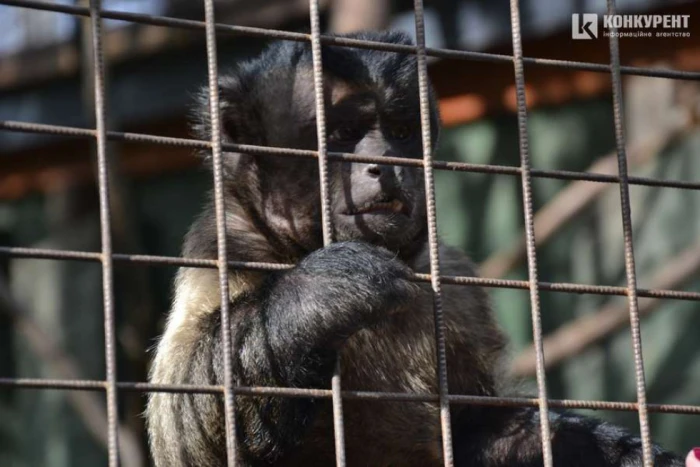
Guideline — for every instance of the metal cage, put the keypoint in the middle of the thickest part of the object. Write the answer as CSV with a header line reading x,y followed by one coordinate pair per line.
x,y
525,171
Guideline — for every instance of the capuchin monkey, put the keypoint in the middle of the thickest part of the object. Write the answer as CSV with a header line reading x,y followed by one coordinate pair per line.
x,y
351,301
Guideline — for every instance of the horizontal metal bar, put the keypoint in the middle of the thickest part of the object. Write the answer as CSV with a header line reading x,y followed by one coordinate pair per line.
x,y
346,42
97,385
59,130
42,253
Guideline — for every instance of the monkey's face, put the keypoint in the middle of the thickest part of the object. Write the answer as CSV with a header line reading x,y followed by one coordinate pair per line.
x,y
372,109
383,204
378,203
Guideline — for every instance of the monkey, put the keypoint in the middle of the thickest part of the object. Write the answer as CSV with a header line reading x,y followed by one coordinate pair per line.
x,y
351,302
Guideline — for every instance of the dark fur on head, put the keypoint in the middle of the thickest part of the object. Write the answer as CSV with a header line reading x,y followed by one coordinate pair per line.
x,y
350,301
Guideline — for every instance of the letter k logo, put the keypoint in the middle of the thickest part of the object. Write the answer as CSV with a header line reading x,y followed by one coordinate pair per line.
x,y
584,26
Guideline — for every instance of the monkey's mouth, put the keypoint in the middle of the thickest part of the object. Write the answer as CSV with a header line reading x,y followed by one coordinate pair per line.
x,y
380,207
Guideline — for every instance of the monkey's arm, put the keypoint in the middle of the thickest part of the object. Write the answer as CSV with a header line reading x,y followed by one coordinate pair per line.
x,y
288,332
511,437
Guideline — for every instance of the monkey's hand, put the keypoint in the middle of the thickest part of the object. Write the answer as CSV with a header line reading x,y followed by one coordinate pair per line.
x,y
356,283
333,293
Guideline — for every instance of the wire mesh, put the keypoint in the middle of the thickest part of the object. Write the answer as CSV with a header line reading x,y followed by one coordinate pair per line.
x,y
101,135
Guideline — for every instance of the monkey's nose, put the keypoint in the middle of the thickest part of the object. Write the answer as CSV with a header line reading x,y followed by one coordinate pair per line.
x,y
373,170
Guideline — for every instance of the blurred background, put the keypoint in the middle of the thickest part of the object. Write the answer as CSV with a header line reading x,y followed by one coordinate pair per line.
x,y
51,321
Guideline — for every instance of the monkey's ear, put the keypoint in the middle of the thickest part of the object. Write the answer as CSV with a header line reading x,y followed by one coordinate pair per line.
x,y
238,115
200,117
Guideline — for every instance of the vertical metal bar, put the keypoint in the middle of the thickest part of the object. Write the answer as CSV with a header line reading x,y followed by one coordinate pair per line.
x,y
629,244
326,218
222,253
106,236
526,178
433,244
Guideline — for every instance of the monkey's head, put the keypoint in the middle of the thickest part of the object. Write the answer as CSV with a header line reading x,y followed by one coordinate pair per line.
x,y
372,108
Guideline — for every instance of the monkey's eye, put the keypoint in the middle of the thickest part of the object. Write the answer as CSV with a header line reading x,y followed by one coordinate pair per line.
x,y
400,132
347,133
